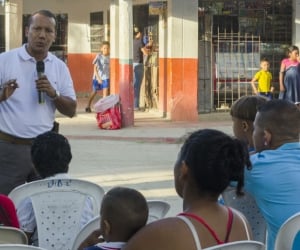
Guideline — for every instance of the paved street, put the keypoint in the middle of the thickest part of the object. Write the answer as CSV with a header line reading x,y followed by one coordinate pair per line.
x,y
141,156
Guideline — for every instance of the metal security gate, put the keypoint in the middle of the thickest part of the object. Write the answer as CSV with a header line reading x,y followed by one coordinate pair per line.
x,y
235,60
205,77
233,36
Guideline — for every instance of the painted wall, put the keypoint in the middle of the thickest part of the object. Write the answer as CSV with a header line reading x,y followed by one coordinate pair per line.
x,y
125,61
182,62
178,63
114,47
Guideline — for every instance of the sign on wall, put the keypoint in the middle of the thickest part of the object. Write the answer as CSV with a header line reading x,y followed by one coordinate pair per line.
x,y
157,7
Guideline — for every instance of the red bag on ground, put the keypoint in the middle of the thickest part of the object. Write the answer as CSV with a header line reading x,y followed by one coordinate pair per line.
x,y
110,118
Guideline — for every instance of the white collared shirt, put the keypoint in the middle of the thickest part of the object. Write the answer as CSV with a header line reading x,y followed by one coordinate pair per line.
x,y
21,115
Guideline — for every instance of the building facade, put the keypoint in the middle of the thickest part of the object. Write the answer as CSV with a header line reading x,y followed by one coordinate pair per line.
x,y
204,51
233,36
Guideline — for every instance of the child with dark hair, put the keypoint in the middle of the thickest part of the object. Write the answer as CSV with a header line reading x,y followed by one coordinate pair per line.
x,y
207,162
101,74
243,112
124,211
8,215
51,156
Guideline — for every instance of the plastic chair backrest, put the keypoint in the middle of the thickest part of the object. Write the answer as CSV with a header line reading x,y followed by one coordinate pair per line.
x,y
86,231
157,209
19,247
58,206
239,245
287,233
247,206
12,235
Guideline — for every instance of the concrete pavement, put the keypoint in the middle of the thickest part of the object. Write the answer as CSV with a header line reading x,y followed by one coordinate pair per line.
x,y
141,156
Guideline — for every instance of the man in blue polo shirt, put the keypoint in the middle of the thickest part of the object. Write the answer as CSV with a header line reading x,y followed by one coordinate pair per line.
x,y
275,174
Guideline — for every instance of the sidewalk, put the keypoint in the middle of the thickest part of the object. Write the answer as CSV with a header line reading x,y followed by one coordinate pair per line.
x,y
148,126
140,157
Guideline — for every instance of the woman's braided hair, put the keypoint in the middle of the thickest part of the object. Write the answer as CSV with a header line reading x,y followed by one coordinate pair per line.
x,y
215,159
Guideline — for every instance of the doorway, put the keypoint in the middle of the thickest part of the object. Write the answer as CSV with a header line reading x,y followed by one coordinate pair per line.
x,y
149,26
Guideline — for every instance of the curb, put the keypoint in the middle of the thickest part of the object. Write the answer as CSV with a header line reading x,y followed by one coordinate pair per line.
x,y
166,140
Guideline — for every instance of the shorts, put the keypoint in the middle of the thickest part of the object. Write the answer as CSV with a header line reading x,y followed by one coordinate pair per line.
x,y
269,95
99,86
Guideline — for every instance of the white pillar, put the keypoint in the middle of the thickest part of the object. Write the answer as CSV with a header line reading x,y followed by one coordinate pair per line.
x,y
125,30
183,29
114,28
162,60
13,24
296,23
125,59
182,60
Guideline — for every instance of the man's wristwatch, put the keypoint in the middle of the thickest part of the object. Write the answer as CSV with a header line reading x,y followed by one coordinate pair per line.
x,y
57,94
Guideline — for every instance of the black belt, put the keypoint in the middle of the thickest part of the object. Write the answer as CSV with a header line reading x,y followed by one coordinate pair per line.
x,y
15,140
265,93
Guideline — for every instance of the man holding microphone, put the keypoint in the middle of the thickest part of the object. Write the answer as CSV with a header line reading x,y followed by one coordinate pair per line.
x,y
33,84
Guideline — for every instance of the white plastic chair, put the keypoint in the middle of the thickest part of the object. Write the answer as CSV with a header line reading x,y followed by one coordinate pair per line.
x,y
239,245
58,206
157,209
247,206
86,231
287,233
12,235
19,247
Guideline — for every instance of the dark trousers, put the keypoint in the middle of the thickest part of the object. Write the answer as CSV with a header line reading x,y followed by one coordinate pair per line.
x,y
16,167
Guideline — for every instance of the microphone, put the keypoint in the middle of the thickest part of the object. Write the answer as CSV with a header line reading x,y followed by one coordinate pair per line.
x,y
40,68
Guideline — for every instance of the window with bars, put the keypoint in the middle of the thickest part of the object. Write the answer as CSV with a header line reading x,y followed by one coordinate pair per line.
x,y
271,20
229,30
60,46
96,31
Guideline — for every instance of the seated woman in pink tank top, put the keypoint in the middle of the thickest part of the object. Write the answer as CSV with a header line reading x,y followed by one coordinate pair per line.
x,y
207,162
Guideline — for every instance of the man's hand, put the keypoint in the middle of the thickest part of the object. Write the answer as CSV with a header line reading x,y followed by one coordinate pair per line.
x,y
43,85
65,105
7,89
